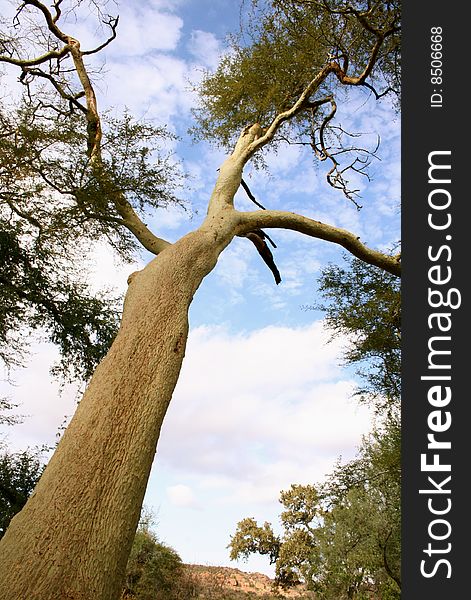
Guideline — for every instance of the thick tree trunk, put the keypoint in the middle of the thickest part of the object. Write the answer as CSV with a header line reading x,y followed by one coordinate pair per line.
x,y
73,537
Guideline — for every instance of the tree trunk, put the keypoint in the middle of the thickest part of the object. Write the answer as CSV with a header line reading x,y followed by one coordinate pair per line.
x,y
73,537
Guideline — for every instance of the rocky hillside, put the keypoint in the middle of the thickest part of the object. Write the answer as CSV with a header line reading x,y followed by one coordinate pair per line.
x,y
224,583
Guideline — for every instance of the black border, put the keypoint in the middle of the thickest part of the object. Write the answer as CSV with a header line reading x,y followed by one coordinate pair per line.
x,y
426,129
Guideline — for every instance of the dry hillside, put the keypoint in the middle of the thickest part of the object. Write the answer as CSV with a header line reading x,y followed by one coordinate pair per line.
x,y
224,583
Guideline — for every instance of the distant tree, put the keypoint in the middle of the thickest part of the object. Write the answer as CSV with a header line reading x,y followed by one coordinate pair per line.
x,y
363,303
19,473
251,538
343,537
69,175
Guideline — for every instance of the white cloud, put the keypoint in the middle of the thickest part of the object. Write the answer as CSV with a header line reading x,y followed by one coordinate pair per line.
x,y
166,221
182,496
143,29
233,266
170,5
106,270
155,87
284,160
204,46
261,410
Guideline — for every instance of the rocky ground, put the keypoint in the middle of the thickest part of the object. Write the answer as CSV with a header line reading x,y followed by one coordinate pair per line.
x,y
224,583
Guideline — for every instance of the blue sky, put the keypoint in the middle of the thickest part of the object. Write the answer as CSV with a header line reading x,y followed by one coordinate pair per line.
x,y
262,401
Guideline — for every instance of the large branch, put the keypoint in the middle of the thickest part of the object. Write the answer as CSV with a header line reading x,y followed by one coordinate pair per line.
x,y
249,221
304,102
138,228
112,22
50,20
301,103
131,220
94,130
31,62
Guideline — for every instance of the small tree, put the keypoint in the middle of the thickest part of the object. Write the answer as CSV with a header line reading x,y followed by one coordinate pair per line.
x,y
154,570
19,473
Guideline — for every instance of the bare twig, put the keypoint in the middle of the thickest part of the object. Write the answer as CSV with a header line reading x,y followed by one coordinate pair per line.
x,y
72,99
112,22
250,195
50,20
57,9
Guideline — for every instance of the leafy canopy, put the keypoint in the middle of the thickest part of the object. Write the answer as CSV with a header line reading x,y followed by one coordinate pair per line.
x,y
364,303
56,204
282,46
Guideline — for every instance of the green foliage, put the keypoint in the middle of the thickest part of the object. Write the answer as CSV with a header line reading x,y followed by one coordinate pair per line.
x,y
19,474
250,538
137,164
34,294
56,204
301,504
343,537
154,570
360,540
364,303
46,177
283,45
53,209
291,552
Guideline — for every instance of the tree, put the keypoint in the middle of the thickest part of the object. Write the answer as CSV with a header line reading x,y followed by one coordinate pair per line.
x,y
291,553
364,303
365,494
154,570
73,537
19,473
360,541
343,537
51,213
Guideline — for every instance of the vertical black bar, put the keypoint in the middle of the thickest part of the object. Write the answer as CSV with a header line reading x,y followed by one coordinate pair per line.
x,y
435,131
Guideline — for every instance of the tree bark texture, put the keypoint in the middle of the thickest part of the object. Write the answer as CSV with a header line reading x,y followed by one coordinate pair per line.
x,y
73,537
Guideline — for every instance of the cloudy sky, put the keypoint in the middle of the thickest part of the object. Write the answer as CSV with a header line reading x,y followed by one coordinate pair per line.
x,y
263,400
